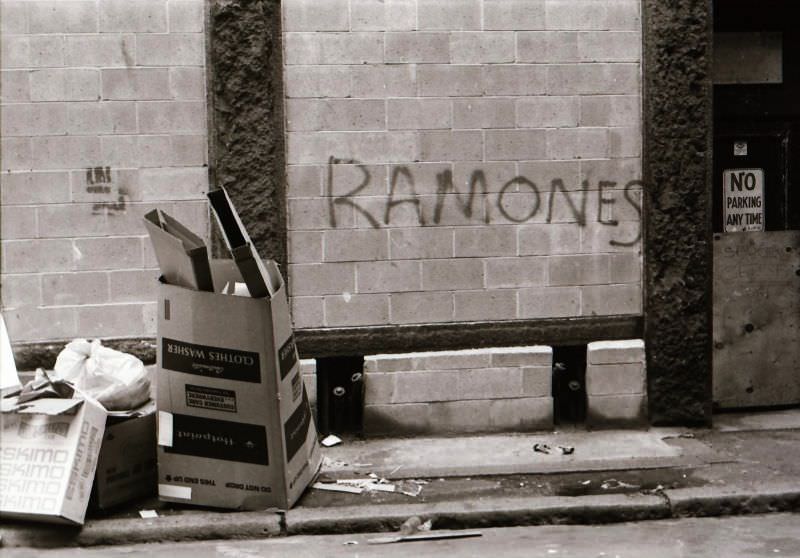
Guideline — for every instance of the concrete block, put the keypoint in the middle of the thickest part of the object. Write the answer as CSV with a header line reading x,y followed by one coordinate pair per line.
x,y
308,312
532,355
119,151
512,145
514,79
388,276
547,47
32,188
598,237
135,84
308,15
409,418
341,179
421,307
303,181
575,14
425,386
449,80
418,114
305,246
548,112
333,48
482,306
489,383
114,320
367,147
30,323
46,51
547,239
620,171
13,18
17,222
308,366
14,86
189,150
356,310
626,268
450,15
605,300
65,152
485,241
543,173
314,214
28,256
610,46
174,183
383,15
172,117
335,115
624,16
105,50
68,289
482,47
417,47
450,417
320,279
186,16
378,388
511,273
608,411
389,363
615,379
588,269
537,381
483,113
614,110
17,153
615,352
549,302
452,360
452,275
154,151
33,119
356,245
577,143
108,253
381,81
142,16
21,290
513,15
523,414
317,81
625,141
63,17
172,49
134,285
15,52
461,145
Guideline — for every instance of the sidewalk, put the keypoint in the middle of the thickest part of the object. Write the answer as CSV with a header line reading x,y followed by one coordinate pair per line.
x,y
748,463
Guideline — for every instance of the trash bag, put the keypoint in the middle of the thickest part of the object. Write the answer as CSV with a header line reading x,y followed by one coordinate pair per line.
x,y
117,380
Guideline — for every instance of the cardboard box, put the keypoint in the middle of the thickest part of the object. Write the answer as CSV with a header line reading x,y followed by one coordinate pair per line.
x,y
181,254
126,467
234,425
49,454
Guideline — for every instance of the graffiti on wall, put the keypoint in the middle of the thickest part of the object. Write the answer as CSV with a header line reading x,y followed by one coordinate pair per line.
x,y
402,192
114,198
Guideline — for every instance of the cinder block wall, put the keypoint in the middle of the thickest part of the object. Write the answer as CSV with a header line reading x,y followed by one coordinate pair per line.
x,y
103,118
460,160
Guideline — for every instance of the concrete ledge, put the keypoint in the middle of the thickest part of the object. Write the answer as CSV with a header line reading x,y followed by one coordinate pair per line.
x,y
491,512
186,526
719,501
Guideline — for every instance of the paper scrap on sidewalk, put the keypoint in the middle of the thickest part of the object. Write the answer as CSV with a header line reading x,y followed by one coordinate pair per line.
x,y
430,536
148,514
331,440
337,488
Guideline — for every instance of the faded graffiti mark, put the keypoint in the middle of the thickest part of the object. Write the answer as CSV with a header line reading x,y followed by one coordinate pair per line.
x,y
403,192
100,181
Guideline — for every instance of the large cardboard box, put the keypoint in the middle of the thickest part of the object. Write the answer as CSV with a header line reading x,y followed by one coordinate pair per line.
x,y
234,425
48,457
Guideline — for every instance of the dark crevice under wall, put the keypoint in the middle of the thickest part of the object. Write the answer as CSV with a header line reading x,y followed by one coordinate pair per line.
x,y
247,157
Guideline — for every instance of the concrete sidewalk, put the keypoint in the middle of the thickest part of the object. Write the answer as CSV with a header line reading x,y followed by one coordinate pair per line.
x,y
747,463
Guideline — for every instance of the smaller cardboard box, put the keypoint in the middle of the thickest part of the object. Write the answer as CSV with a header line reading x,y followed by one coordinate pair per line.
x,y
50,448
126,467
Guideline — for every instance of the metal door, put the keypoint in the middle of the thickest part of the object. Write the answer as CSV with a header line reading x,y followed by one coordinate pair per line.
x,y
756,289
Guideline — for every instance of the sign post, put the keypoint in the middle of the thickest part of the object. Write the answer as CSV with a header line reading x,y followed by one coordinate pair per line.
x,y
743,199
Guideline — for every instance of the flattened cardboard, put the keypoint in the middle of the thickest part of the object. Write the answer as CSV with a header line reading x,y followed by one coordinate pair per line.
x,y
260,280
182,256
49,457
233,429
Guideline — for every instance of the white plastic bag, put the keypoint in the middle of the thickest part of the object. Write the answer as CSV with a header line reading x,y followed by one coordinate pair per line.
x,y
117,380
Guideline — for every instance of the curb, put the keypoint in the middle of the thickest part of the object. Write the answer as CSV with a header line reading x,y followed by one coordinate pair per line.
x,y
482,513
